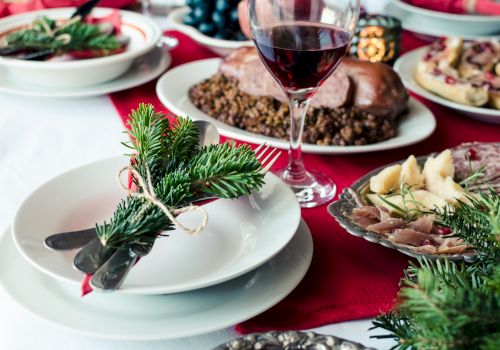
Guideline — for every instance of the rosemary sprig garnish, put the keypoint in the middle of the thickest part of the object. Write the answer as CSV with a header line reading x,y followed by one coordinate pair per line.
x,y
472,175
405,211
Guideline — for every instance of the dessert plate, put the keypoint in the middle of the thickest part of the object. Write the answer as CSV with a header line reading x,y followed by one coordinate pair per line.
x,y
241,234
173,87
406,65
149,317
144,69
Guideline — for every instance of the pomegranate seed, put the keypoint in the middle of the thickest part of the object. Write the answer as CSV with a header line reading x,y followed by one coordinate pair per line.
x,y
427,56
427,242
489,75
472,154
486,47
443,230
450,80
436,71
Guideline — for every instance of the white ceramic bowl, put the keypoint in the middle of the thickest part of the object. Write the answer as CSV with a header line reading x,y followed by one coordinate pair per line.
x,y
143,32
449,23
219,46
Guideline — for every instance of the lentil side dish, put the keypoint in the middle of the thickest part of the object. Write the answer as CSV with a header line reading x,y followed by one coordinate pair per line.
x,y
220,98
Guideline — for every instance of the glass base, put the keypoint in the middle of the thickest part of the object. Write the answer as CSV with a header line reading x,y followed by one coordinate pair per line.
x,y
313,189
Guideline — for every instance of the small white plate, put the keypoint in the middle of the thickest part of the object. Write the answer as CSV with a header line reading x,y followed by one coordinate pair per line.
x,y
219,46
173,88
406,65
144,69
437,24
241,234
142,317
144,34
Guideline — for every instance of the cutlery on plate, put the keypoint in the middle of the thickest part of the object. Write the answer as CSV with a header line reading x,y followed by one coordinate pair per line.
x,y
111,275
92,256
209,135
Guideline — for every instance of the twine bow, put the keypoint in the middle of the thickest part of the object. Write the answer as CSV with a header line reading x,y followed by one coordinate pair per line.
x,y
148,193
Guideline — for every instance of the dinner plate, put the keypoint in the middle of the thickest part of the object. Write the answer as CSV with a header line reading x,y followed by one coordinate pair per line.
x,y
144,69
241,234
406,65
437,24
149,317
173,88
343,206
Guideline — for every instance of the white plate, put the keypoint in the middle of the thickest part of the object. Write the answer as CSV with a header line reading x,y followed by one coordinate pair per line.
x,y
241,234
219,46
141,317
434,23
144,34
173,87
405,66
144,69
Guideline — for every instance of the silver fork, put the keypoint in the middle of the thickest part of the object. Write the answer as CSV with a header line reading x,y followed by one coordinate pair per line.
x,y
265,152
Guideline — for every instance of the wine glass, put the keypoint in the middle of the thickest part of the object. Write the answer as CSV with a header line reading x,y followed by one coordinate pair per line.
x,y
301,42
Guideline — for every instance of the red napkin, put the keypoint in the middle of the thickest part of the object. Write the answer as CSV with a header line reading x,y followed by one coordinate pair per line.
x,y
349,278
483,7
15,7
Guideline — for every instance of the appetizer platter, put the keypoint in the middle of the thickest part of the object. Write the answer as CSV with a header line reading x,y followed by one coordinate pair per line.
x,y
404,205
436,24
371,114
74,53
206,34
461,75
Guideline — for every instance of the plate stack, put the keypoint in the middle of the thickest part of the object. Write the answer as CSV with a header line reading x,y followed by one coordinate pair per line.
x,y
142,60
253,252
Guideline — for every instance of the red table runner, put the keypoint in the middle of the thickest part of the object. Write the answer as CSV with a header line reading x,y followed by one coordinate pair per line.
x,y
349,278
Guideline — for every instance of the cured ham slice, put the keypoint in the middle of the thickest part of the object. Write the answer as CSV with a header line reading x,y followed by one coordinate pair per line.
x,y
408,236
366,216
387,226
423,224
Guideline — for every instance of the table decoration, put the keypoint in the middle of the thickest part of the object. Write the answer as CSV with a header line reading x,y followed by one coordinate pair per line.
x,y
168,170
447,305
344,267
377,38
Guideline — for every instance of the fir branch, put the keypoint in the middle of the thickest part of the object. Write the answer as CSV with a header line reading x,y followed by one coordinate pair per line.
x,y
83,37
183,140
233,171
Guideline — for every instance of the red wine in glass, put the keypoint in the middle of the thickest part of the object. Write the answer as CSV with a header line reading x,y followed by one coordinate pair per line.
x,y
301,55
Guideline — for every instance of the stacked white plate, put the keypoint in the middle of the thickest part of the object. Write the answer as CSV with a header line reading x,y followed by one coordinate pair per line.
x,y
253,252
142,61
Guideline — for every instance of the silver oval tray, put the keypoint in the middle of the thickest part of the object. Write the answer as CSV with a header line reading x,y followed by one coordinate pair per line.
x,y
342,208
290,340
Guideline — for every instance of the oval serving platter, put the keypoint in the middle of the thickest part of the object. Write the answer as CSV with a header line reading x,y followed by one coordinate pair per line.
x,y
342,208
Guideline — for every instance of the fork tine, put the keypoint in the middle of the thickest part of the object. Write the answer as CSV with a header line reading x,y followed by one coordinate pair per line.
x,y
261,153
268,156
259,147
271,163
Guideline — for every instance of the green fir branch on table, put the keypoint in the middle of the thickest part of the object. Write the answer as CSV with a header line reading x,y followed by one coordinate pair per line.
x,y
446,305
179,170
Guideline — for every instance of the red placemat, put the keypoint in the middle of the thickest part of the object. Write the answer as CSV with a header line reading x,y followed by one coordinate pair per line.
x,y
349,278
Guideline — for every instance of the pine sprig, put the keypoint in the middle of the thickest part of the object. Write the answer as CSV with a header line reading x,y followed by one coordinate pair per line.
x,y
179,170
82,36
445,305
234,171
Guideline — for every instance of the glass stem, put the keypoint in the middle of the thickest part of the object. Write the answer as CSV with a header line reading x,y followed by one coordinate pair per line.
x,y
295,171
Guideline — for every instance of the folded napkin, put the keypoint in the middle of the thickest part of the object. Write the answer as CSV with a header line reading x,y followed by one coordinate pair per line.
x,y
483,7
349,278
13,7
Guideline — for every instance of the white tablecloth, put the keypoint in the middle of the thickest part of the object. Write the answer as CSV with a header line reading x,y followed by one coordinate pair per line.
x,y
41,138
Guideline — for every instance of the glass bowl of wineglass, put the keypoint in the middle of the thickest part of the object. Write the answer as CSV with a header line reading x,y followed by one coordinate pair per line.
x,y
301,42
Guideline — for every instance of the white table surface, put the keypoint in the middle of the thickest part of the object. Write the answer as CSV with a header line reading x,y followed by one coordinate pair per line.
x,y
41,138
